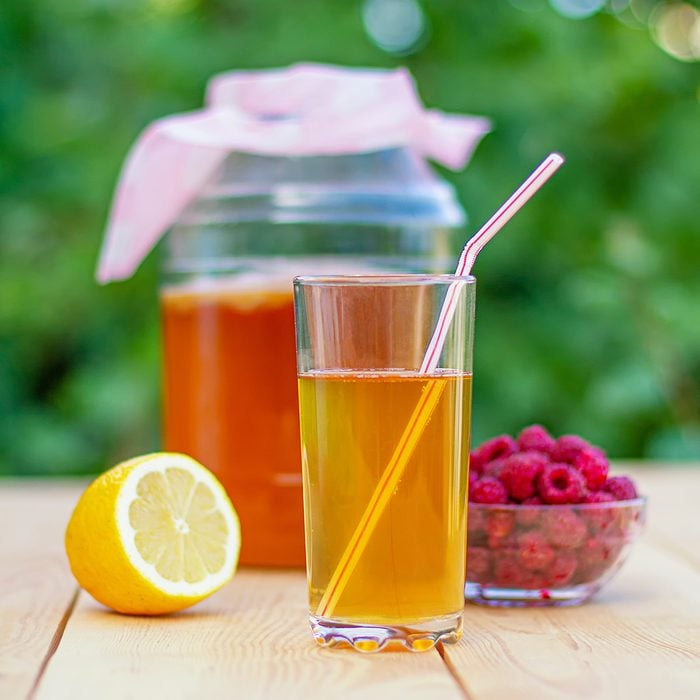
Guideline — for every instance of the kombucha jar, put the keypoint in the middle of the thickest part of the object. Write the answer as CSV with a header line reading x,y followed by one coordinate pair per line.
x,y
230,384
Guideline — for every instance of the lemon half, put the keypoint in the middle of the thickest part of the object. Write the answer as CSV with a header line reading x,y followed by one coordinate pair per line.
x,y
153,535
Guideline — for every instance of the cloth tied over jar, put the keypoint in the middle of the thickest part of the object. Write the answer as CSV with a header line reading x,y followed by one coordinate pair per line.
x,y
303,110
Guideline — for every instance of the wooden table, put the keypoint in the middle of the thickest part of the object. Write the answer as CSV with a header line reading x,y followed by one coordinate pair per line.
x,y
640,638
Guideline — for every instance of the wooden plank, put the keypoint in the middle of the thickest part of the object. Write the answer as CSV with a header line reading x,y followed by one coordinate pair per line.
x,y
36,586
250,640
640,638
673,523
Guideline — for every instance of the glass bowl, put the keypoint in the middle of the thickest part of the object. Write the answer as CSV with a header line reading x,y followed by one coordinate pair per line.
x,y
537,555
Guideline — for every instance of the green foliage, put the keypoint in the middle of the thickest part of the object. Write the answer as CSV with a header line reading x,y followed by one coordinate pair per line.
x,y
587,311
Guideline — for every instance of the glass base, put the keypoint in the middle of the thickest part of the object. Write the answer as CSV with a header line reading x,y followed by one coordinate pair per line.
x,y
372,638
496,596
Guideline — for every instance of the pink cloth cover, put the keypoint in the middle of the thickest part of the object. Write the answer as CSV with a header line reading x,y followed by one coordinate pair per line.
x,y
307,109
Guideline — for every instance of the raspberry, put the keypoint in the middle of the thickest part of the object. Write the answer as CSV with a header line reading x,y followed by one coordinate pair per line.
x,y
560,483
567,448
488,490
531,580
476,519
473,478
507,572
591,559
601,519
535,437
599,497
593,464
562,570
478,564
528,516
493,468
563,528
501,446
596,555
533,551
622,488
519,473
499,524
476,464
509,543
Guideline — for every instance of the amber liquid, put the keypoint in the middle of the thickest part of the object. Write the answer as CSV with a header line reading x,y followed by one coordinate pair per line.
x,y
230,401
412,568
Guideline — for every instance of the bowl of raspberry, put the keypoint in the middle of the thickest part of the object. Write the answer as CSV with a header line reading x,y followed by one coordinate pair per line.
x,y
547,524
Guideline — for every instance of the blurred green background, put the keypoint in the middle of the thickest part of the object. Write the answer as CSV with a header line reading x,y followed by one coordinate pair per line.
x,y
588,316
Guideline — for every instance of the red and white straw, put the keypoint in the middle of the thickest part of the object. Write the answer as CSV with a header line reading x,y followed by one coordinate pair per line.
x,y
505,213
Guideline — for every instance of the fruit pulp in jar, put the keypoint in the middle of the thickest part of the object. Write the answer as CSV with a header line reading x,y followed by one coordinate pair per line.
x,y
413,566
230,401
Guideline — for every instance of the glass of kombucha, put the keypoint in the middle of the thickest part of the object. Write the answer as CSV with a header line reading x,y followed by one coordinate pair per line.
x,y
384,457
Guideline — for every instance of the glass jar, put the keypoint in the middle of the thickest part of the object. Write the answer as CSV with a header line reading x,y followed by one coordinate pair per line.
x,y
230,391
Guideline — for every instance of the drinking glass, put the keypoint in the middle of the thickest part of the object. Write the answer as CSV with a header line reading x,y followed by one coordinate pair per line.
x,y
384,457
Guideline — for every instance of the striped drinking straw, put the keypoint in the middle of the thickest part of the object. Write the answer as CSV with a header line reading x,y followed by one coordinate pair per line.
x,y
432,392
